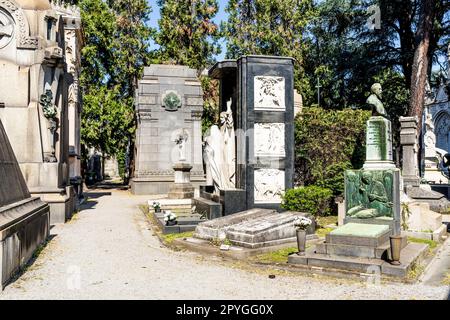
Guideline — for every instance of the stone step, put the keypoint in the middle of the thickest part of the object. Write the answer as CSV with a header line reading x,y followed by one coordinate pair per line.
x,y
359,234
411,254
352,250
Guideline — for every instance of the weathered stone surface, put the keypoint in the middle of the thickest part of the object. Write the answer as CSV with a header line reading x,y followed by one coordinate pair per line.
x,y
410,147
160,124
38,93
359,234
24,221
216,228
410,254
423,193
267,230
378,140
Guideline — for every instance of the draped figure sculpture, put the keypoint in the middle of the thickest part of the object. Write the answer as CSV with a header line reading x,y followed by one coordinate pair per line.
x,y
219,152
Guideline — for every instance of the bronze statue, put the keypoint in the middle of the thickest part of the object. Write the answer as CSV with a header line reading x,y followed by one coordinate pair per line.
x,y
374,100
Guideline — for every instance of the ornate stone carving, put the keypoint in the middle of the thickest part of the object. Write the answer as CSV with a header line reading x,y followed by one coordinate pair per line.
x,y
219,152
6,28
269,139
171,101
269,93
24,41
269,185
180,140
442,131
50,112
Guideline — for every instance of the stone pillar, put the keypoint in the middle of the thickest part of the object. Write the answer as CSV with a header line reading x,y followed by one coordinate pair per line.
x,y
409,143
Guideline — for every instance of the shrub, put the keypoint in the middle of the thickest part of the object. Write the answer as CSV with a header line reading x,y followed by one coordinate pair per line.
x,y
312,199
327,142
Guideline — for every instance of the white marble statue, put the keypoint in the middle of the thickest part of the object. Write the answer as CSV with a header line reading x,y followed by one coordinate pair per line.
x,y
219,152
181,140
227,130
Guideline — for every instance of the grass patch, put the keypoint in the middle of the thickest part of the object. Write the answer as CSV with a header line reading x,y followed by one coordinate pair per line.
x,y
169,238
415,271
432,244
322,232
325,221
279,256
446,280
144,208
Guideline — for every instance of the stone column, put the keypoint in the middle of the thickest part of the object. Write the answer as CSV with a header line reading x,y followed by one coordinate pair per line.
x,y
409,143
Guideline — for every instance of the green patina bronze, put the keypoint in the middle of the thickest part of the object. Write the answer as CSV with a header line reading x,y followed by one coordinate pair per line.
x,y
369,193
171,101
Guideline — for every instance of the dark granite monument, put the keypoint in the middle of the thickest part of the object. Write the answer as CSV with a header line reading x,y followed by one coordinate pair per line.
x,y
257,98
24,220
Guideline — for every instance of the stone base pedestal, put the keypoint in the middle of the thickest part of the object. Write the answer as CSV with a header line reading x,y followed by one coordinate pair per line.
x,y
182,188
24,226
61,202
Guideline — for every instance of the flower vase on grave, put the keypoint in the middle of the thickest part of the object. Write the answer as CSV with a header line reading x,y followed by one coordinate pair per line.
x,y
301,241
396,247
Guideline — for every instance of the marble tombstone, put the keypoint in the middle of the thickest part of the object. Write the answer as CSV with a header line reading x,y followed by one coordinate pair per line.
x,y
169,104
24,220
250,157
39,101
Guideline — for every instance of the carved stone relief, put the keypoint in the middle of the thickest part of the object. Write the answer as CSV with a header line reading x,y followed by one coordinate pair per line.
x,y
269,139
442,131
269,93
269,185
24,41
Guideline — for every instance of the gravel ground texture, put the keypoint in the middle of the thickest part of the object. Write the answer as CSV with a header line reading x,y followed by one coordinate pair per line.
x,y
108,251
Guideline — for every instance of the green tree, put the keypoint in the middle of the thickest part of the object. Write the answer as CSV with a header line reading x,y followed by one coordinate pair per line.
x,y
115,51
187,34
270,27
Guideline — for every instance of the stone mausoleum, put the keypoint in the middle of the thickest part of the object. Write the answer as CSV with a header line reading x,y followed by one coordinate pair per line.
x,y
169,104
250,158
40,105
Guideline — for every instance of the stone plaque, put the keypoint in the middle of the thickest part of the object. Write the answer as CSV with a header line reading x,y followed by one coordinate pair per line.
x,y
378,139
269,93
269,139
269,185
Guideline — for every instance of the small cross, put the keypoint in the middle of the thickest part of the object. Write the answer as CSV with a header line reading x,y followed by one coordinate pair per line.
x,y
318,92
6,30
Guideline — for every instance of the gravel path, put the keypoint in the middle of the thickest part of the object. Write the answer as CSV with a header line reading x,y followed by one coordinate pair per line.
x,y
108,252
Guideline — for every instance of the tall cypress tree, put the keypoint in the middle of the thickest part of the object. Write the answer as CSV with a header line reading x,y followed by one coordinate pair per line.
x,y
187,34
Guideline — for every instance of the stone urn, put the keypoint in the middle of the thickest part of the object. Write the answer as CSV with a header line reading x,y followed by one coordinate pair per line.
x,y
301,241
396,247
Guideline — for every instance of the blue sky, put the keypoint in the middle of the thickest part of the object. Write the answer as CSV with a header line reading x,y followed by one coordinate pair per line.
x,y
221,16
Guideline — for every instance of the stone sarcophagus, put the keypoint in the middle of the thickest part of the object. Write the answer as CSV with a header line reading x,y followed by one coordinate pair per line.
x,y
169,104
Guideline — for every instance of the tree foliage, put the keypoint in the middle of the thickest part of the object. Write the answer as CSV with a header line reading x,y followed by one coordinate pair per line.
x,y
270,27
187,34
116,48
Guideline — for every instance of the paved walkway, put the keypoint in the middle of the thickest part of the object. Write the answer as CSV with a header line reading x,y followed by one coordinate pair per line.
x,y
108,252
